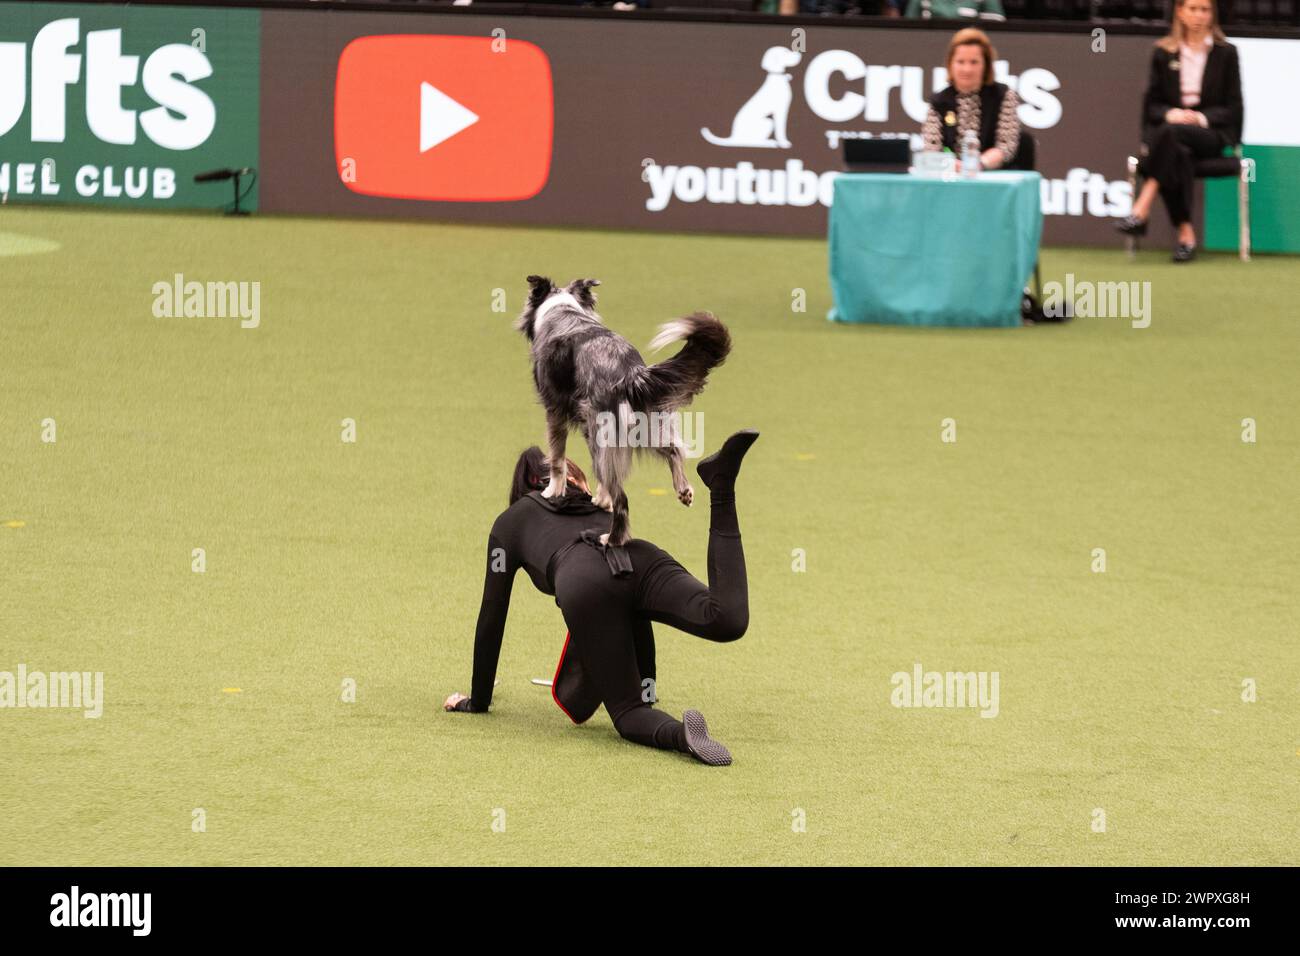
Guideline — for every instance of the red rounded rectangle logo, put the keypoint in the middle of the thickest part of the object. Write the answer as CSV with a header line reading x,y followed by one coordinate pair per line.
x,y
465,119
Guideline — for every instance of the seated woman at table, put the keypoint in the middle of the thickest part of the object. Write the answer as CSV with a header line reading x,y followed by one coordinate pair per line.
x,y
1192,110
973,101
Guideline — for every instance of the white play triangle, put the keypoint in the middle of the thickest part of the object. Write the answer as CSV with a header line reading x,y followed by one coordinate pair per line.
x,y
441,117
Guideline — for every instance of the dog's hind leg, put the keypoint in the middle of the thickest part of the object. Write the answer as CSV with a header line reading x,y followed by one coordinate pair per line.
x,y
612,463
669,445
620,531
557,436
685,493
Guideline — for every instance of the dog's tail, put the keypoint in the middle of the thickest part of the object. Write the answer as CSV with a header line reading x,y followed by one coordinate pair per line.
x,y
674,383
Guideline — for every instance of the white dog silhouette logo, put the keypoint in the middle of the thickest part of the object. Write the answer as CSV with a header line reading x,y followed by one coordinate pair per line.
x,y
761,121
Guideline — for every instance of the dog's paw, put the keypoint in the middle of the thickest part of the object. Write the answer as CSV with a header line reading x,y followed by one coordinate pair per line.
x,y
604,538
686,495
553,490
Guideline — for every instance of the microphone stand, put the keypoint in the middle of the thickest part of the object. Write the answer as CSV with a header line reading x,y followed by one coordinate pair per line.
x,y
236,211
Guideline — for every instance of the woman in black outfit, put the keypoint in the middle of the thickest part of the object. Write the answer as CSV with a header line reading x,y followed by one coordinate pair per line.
x,y
1192,110
608,608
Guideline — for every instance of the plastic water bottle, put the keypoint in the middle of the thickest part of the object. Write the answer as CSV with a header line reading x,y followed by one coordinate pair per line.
x,y
970,155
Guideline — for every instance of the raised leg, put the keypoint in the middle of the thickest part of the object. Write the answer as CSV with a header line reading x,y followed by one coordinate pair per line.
x,y
671,594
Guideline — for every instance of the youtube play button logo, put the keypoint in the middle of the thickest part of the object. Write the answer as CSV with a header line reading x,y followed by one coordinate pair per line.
x,y
443,117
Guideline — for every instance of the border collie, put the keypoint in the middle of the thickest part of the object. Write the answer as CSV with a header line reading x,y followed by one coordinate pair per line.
x,y
591,378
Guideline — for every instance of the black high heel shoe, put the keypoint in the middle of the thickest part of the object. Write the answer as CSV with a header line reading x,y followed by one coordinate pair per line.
x,y
1132,226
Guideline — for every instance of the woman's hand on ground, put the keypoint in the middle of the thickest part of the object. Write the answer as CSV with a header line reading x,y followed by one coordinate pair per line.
x,y
451,702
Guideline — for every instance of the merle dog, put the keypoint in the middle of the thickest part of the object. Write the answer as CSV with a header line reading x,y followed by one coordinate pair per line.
x,y
591,378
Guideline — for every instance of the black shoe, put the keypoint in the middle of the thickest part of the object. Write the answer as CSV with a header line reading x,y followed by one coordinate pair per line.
x,y
725,462
1184,252
702,746
1132,226
1032,311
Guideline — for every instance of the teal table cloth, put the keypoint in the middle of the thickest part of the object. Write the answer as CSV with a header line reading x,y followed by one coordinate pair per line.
x,y
910,250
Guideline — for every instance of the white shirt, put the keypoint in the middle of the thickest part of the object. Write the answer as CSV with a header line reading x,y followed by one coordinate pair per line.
x,y
1192,71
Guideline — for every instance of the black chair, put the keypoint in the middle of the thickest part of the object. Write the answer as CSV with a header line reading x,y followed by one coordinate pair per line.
x,y
1215,167
1026,157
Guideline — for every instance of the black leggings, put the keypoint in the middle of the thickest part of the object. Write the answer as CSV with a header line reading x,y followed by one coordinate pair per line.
x,y
609,618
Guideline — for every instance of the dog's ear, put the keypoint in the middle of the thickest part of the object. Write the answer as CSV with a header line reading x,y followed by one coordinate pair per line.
x,y
580,289
539,288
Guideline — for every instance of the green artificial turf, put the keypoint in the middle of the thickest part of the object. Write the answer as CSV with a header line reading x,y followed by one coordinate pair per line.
x,y
329,561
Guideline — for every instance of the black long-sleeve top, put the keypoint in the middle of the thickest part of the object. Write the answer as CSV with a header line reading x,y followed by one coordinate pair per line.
x,y
1220,91
530,534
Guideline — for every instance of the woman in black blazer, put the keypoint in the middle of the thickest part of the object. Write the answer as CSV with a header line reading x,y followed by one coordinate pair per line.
x,y
1192,110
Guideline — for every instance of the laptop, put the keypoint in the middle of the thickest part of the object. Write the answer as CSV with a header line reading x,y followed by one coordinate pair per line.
x,y
877,155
